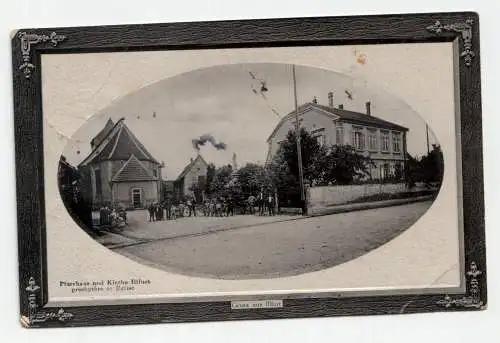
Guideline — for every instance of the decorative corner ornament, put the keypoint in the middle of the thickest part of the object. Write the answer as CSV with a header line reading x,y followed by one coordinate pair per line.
x,y
29,39
465,29
473,298
37,317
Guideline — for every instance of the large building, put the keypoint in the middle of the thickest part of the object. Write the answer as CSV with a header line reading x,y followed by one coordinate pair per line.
x,y
192,179
383,141
120,170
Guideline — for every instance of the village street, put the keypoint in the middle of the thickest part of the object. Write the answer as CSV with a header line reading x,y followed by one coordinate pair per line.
x,y
260,247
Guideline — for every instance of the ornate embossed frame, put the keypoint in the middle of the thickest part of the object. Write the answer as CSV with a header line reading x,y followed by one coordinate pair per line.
x,y
29,44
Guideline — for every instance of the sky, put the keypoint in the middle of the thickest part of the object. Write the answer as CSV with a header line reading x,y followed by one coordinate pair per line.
x,y
168,115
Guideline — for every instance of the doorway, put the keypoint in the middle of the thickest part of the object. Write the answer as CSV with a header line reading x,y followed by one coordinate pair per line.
x,y
136,198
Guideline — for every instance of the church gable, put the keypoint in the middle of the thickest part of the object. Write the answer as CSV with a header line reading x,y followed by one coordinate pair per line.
x,y
133,170
126,144
118,144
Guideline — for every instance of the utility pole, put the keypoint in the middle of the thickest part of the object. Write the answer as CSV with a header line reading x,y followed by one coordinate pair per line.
x,y
427,135
297,138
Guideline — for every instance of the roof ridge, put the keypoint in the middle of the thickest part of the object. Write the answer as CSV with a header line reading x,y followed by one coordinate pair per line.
x,y
113,129
116,142
336,111
341,113
190,164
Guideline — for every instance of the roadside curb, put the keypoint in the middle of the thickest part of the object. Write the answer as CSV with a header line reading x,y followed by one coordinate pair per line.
x,y
367,206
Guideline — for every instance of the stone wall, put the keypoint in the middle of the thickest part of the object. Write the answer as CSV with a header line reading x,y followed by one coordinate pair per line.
x,y
337,195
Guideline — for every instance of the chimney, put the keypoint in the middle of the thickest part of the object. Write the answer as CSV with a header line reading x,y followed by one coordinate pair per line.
x,y
330,99
235,163
315,100
341,107
368,108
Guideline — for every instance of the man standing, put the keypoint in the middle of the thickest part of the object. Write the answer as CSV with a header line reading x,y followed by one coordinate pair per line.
x,y
193,207
189,206
230,207
261,201
270,204
151,210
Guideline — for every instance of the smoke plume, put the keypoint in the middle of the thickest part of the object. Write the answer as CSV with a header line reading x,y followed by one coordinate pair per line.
x,y
207,138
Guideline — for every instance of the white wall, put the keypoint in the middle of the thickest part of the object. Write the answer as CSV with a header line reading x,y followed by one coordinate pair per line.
x,y
198,169
336,195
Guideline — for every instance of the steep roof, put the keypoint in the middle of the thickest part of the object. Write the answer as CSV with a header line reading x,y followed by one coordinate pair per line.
x,y
99,137
118,144
190,165
133,170
343,115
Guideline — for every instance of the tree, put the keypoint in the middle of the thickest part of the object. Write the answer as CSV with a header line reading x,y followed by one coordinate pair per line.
x,y
222,176
412,170
429,168
321,164
339,164
209,178
342,165
252,177
432,165
286,184
311,151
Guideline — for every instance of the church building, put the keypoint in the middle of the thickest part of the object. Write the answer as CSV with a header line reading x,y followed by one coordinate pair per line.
x,y
120,170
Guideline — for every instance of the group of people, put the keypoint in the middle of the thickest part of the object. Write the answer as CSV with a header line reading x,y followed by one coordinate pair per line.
x,y
110,216
264,202
169,210
218,207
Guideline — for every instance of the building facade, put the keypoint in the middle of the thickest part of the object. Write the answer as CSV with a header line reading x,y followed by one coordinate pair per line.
x,y
120,170
192,179
383,141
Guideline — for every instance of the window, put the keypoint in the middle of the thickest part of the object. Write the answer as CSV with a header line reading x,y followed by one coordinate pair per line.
x,y
319,134
398,171
386,171
372,140
385,141
321,140
339,137
358,139
155,173
396,142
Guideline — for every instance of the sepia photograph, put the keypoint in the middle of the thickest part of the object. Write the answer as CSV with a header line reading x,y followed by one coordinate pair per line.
x,y
172,176
199,173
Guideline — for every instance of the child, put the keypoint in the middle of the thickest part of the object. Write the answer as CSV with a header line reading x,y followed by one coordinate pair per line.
x,y
173,212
